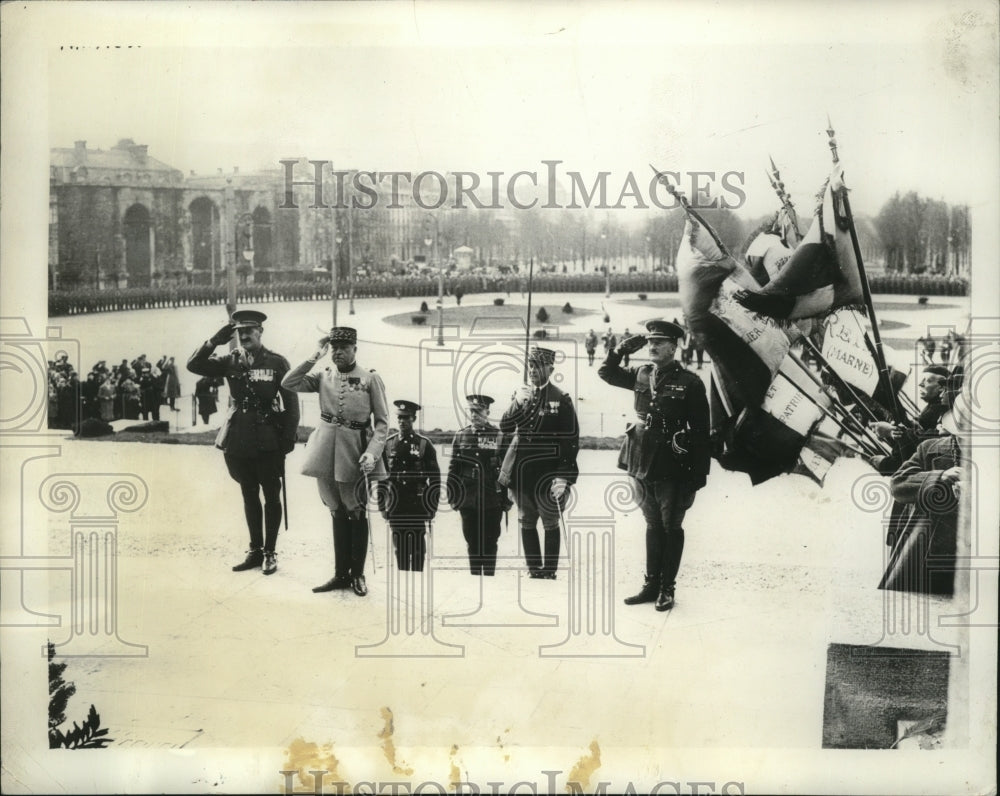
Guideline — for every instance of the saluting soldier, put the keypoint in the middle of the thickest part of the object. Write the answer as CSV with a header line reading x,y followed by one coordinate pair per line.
x,y
259,430
408,498
666,450
473,490
345,449
541,464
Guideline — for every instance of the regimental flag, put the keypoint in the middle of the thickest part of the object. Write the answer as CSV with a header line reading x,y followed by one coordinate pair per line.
x,y
847,349
746,348
818,455
772,246
784,435
822,273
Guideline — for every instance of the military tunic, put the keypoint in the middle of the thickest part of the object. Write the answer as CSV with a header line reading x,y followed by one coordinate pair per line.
x,y
259,429
408,498
667,450
354,419
474,492
545,447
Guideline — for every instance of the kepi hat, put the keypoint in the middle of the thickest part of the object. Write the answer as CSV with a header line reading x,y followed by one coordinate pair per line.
x,y
343,335
543,356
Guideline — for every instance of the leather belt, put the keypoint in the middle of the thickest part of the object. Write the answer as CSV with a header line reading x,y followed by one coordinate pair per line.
x,y
357,425
663,424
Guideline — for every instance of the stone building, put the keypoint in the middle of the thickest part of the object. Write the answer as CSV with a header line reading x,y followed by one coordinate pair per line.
x,y
120,218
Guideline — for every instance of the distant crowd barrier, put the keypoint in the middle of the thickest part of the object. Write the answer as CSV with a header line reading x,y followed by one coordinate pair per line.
x,y
84,300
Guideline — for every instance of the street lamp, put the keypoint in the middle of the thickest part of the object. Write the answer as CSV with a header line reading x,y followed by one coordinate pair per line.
x,y
334,288
607,272
350,264
427,242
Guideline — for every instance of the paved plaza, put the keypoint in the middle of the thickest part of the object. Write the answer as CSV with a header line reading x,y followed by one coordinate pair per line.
x,y
220,680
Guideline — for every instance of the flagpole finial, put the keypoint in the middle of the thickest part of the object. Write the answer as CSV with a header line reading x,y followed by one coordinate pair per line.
x,y
671,189
832,135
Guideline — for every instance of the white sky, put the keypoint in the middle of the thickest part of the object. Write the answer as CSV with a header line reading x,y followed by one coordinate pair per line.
x,y
911,88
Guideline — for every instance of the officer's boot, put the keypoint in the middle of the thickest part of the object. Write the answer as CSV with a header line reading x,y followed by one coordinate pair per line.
x,y
551,552
255,557
359,551
341,553
532,550
650,588
665,600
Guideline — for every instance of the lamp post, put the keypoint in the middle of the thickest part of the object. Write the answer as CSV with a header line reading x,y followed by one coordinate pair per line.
x,y
334,287
428,241
607,272
350,264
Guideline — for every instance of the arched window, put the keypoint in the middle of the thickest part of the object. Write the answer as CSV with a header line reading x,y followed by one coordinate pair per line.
x,y
204,234
262,238
138,249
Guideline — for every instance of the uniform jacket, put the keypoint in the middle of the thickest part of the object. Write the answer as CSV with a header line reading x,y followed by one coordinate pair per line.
x,y
206,390
355,397
546,438
918,482
413,488
262,417
476,455
669,437
933,521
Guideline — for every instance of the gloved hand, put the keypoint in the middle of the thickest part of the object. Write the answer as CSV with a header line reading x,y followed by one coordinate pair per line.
x,y
324,347
524,394
558,488
631,345
223,335
367,462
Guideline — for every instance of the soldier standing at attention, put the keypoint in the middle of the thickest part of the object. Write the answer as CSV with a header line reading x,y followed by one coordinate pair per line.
x,y
345,449
409,497
542,463
473,490
666,450
259,430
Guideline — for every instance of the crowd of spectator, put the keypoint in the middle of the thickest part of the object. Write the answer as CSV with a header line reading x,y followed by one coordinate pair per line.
x,y
128,390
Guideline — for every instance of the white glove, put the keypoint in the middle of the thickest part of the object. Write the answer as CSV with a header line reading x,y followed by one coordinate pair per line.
x,y
524,394
324,347
367,462
558,488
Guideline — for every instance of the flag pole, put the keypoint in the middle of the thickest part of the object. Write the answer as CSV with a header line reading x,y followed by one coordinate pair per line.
x,y
864,447
836,401
840,380
840,194
527,326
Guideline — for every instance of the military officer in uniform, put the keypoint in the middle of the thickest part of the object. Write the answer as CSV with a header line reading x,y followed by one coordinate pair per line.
x,y
408,498
540,463
345,449
473,490
259,429
666,450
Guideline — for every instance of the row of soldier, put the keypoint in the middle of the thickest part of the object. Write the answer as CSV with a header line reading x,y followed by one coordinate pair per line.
x,y
530,458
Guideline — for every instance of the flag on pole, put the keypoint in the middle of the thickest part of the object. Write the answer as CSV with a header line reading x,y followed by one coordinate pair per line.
x,y
822,273
847,350
746,348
